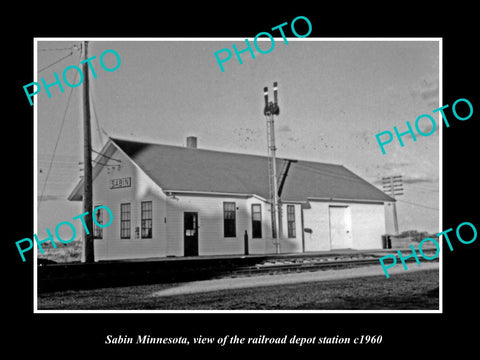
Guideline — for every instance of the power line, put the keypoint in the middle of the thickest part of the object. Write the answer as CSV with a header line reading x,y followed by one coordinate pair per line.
x,y
55,62
73,47
393,185
108,157
58,139
61,155
422,188
58,159
99,163
60,162
423,206
70,181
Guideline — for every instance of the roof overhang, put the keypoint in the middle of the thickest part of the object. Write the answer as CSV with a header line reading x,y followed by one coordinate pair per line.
x,y
212,193
340,200
107,150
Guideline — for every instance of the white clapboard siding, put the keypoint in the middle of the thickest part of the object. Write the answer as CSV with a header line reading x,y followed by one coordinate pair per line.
x,y
367,225
211,240
316,225
291,244
142,189
259,245
210,224
366,221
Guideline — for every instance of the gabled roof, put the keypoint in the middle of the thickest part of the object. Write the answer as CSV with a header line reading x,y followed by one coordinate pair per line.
x,y
176,168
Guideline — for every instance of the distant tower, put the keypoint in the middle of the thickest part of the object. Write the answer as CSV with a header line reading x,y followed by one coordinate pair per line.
x,y
271,109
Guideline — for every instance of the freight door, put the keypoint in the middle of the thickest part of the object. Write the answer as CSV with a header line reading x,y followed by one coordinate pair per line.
x,y
340,224
190,231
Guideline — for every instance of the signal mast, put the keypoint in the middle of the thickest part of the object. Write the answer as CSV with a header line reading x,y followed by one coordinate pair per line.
x,y
271,109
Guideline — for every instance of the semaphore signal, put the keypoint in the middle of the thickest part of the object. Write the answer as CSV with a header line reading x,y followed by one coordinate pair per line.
x,y
271,109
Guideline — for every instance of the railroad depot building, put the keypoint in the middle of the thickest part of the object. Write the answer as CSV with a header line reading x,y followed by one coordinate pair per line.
x,y
185,201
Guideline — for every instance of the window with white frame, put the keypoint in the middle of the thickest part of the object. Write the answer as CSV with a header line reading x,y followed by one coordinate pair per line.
x,y
125,221
291,221
146,218
97,230
256,221
229,220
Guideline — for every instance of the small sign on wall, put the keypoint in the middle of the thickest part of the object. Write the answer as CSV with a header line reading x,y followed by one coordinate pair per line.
x,y
120,183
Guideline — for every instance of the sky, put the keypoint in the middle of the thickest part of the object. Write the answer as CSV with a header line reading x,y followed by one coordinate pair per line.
x,y
334,97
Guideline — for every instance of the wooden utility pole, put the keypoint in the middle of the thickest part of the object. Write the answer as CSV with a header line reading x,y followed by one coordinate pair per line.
x,y
87,161
393,185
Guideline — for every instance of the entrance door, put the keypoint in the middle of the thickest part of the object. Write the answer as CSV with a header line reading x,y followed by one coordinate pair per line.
x,y
190,232
340,237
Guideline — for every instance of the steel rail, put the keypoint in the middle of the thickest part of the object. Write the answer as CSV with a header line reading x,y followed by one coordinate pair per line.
x,y
305,266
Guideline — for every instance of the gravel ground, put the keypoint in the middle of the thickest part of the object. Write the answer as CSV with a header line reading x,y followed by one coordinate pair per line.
x,y
283,279
347,289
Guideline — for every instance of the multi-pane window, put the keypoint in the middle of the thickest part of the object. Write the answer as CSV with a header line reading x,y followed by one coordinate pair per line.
x,y
125,221
291,221
256,221
97,230
229,226
146,219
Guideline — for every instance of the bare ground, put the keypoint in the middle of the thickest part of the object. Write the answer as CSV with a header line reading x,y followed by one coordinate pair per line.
x,y
412,290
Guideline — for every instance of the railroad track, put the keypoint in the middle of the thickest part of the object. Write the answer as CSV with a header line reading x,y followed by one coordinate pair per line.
x,y
307,264
75,276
